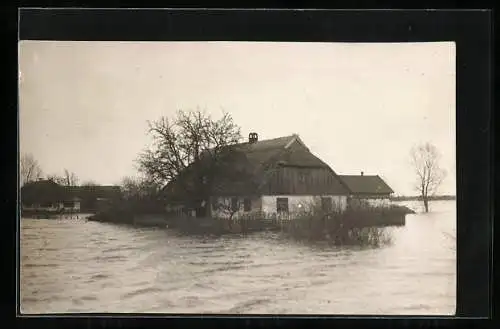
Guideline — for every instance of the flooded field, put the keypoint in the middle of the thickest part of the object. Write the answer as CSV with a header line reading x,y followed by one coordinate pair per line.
x,y
72,265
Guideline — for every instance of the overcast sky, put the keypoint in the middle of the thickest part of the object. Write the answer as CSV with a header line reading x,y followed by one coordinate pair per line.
x,y
359,107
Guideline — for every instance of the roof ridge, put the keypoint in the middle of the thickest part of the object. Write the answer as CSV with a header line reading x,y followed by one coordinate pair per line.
x,y
272,139
364,175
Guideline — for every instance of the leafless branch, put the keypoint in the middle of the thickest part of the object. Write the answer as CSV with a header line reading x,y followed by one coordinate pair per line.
x,y
30,170
425,160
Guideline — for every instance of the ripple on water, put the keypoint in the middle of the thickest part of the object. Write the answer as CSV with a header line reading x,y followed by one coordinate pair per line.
x,y
142,291
100,276
83,299
43,265
111,258
244,307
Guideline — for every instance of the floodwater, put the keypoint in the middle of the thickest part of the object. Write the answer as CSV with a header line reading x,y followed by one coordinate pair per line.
x,y
78,266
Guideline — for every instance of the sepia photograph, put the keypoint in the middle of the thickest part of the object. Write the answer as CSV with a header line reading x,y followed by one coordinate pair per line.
x,y
237,177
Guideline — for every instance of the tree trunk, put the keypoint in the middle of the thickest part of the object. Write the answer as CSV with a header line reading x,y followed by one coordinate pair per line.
x,y
426,204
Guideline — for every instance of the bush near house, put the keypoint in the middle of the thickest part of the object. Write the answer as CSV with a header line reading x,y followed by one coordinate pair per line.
x,y
355,226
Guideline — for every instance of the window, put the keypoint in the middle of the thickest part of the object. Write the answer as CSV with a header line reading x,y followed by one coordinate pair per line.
x,y
68,204
234,204
282,205
326,204
215,203
247,204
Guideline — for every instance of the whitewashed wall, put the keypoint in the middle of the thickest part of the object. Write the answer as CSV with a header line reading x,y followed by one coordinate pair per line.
x,y
221,213
53,207
384,203
75,207
297,203
267,205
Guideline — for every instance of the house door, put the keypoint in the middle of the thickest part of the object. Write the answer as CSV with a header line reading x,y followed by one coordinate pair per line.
x,y
282,205
326,204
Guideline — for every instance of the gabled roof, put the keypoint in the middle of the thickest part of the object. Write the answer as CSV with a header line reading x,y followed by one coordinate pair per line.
x,y
258,158
366,184
282,150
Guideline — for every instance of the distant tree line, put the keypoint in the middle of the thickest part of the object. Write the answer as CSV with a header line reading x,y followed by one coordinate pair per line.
x,y
419,198
31,171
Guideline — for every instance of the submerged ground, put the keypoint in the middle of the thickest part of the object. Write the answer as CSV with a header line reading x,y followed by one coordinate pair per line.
x,y
80,266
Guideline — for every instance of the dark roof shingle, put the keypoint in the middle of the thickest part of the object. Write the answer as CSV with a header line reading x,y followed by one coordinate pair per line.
x,y
366,184
42,191
45,191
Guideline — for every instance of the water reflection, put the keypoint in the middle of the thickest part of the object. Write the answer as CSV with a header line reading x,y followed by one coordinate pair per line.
x,y
79,266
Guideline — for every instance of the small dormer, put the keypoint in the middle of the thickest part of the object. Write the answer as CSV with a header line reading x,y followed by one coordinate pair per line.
x,y
253,137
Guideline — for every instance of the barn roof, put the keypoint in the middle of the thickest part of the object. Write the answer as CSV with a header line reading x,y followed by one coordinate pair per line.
x,y
366,184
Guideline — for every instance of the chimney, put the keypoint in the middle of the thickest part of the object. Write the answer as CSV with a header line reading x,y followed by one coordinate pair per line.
x,y
253,137
362,173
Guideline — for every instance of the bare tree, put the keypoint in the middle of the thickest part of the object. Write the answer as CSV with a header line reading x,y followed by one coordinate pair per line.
x,y
425,159
67,179
30,169
138,188
56,178
226,206
70,178
188,152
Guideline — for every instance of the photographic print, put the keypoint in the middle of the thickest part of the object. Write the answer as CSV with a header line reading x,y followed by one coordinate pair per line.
x,y
237,177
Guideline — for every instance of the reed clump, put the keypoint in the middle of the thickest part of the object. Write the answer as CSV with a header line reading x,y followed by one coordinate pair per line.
x,y
354,226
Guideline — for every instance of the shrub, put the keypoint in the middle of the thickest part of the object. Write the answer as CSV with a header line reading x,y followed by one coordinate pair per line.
x,y
351,227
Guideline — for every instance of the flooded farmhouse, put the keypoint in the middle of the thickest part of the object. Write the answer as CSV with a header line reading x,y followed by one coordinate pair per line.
x,y
277,178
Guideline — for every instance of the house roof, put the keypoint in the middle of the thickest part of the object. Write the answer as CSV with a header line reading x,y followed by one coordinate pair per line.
x,y
281,150
45,191
94,191
366,184
258,157
42,191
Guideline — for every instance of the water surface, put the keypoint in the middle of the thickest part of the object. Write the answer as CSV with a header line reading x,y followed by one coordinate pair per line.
x,y
78,266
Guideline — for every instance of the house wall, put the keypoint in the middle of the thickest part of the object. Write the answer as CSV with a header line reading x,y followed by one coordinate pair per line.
x,y
297,203
302,181
375,201
51,207
225,211
379,202
75,206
